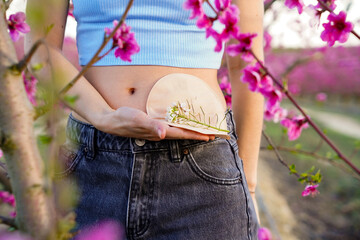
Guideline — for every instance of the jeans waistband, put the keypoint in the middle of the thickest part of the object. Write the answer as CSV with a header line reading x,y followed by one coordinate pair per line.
x,y
86,134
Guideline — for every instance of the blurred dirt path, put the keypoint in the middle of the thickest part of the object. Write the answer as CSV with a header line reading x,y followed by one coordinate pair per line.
x,y
274,209
337,122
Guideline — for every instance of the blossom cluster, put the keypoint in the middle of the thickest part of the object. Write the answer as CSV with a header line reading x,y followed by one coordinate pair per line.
x,y
310,189
6,197
336,29
259,81
225,86
177,112
124,41
226,13
30,83
16,24
254,75
264,234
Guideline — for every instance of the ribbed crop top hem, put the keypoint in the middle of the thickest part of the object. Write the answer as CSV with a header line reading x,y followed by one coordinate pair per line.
x,y
165,34
189,64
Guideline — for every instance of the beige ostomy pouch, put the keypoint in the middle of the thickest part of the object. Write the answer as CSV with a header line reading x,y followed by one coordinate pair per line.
x,y
190,103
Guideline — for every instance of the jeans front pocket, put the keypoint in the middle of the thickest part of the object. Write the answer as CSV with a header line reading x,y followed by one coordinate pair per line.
x,y
69,157
215,161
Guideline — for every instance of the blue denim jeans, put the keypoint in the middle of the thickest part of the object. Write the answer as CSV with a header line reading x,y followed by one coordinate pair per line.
x,y
160,190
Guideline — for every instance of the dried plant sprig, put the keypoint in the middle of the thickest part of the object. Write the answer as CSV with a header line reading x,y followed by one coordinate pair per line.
x,y
183,113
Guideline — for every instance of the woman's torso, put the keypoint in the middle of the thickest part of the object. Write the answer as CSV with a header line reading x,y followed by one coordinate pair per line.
x,y
130,85
164,32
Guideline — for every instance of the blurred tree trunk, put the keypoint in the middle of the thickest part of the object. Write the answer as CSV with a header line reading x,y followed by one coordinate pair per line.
x,y
34,205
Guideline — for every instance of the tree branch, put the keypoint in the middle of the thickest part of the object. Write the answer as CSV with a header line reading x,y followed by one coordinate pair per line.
x,y
20,66
95,58
8,221
316,128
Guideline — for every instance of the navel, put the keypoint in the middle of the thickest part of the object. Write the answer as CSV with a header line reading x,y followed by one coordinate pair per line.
x,y
131,91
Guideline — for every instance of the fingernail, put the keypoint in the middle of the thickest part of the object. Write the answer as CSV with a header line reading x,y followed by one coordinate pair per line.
x,y
159,132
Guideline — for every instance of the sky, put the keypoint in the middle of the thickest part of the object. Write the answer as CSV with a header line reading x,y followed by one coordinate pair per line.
x,y
287,28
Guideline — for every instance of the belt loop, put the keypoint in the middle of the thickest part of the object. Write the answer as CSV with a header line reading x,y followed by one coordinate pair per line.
x,y
90,144
175,155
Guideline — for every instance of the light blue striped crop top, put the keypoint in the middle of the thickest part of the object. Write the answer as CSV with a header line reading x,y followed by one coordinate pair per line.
x,y
162,28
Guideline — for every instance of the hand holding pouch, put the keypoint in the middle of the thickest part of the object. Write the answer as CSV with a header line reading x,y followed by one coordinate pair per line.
x,y
205,106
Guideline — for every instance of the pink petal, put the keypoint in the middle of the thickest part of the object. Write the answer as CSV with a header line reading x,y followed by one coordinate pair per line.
x,y
14,35
23,27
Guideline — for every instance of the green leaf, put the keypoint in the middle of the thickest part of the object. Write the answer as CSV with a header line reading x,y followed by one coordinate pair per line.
x,y
48,29
304,175
70,100
284,130
37,67
269,147
298,146
329,154
292,169
285,83
357,144
44,139
311,169
302,180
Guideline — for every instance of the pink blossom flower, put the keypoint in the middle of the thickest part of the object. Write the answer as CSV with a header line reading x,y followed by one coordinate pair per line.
x,y
8,198
205,22
108,229
225,85
321,97
295,3
12,214
221,5
217,37
229,17
267,38
30,87
264,234
274,97
337,29
310,190
195,6
294,126
255,79
252,76
1,153
228,100
315,15
13,236
276,114
16,24
244,45
124,42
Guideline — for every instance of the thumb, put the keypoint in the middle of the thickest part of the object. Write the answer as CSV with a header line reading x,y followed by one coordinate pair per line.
x,y
160,129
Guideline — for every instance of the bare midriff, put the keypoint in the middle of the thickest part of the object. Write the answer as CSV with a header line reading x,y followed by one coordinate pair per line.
x,y
130,85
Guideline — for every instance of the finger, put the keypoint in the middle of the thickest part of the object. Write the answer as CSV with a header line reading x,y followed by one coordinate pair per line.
x,y
179,133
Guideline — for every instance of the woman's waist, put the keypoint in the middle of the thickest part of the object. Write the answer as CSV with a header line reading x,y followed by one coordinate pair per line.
x,y
130,85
